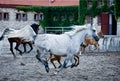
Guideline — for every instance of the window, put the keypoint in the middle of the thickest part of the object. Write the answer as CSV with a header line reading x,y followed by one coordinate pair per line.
x,y
89,3
38,16
70,18
6,16
89,19
99,20
24,17
41,17
54,18
18,16
62,18
0,16
99,2
21,16
110,2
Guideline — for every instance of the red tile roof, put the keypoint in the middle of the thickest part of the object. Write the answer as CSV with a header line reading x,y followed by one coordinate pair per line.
x,y
38,2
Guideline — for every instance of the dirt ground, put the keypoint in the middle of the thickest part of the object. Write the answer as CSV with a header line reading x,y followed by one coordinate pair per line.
x,y
92,67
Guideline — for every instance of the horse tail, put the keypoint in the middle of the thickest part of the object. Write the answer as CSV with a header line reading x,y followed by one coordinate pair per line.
x,y
4,32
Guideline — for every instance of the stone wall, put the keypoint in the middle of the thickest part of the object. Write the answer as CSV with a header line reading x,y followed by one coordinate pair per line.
x,y
109,43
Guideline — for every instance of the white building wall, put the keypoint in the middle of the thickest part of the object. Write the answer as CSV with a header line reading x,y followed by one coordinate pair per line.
x,y
95,23
12,23
118,27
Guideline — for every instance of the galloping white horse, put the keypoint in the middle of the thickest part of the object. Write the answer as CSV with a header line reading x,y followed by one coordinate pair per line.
x,y
65,44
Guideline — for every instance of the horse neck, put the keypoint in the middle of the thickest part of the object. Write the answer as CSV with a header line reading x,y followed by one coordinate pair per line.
x,y
35,29
80,36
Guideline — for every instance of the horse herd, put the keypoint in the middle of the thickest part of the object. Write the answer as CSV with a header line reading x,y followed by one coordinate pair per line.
x,y
69,44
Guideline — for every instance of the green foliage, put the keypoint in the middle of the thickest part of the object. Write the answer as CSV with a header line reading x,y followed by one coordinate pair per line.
x,y
117,8
72,15
82,11
96,10
93,11
56,11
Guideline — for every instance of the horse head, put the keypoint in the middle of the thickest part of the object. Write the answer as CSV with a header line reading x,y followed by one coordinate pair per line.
x,y
100,34
35,27
4,32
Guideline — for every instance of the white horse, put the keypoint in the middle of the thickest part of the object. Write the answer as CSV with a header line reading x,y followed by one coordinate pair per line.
x,y
65,44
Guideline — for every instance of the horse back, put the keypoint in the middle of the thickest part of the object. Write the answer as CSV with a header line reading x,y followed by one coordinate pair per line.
x,y
16,39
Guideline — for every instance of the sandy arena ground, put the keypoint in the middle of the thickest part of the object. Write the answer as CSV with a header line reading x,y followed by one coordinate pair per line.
x,y
92,67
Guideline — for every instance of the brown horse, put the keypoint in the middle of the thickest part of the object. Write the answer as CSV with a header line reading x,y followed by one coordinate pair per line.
x,y
58,59
19,40
91,41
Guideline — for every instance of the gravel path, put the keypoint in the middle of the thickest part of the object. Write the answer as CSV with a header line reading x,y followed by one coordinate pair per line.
x,y
92,67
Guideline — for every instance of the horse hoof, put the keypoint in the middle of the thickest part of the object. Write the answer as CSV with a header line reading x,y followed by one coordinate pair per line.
x,y
55,73
20,54
73,65
76,65
47,69
28,52
60,66
22,64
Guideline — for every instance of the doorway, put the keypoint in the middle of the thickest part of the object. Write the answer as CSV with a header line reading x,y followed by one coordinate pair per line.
x,y
114,25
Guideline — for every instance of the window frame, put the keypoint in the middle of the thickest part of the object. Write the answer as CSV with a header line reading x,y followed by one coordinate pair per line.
x,y
6,16
24,17
17,16
38,16
1,16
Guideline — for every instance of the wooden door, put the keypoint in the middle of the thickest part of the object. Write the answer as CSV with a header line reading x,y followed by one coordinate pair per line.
x,y
105,23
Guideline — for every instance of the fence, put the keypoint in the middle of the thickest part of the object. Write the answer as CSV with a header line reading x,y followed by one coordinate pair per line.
x,y
57,30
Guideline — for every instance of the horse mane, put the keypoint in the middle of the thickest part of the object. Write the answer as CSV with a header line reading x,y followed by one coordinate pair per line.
x,y
35,27
76,28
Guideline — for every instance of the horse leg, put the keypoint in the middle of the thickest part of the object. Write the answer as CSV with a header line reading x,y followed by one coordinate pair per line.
x,y
76,58
44,62
56,58
11,49
51,60
69,57
17,45
83,49
63,66
24,45
31,47
59,61
98,46
95,46
73,62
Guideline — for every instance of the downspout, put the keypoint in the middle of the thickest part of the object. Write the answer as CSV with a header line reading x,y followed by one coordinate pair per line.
x,y
110,24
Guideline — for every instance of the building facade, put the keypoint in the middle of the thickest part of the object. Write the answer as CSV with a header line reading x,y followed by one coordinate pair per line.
x,y
106,21
11,17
